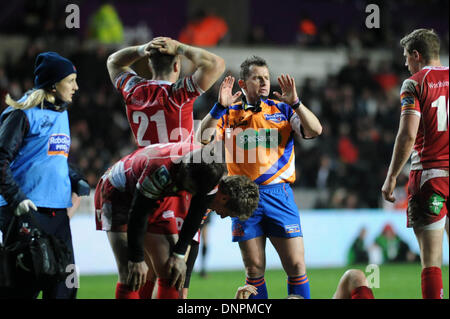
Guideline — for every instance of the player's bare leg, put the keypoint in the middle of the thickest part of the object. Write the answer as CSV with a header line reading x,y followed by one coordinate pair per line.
x,y
430,243
119,245
292,255
146,292
159,249
254,258
446,229
351,280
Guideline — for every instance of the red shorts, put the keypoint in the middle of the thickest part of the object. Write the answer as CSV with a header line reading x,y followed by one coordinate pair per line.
x,y
112,207
427,197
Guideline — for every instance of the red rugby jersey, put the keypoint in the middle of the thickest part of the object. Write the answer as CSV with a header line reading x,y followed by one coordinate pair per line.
x,y
425,94
148,169
159,111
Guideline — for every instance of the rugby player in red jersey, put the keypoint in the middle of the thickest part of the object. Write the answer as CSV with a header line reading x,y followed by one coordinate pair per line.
x,y
423,134
127,200
160,109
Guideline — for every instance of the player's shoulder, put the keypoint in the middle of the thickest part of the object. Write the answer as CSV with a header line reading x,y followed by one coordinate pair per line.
x,y
411,84
282,107
186,83
238,106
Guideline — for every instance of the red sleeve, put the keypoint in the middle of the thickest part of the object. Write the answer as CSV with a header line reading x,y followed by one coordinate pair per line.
x,y
154,181
126,83
185,89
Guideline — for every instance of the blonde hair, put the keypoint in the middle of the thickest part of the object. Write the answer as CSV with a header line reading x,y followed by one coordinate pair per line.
x,y
34,98
244,195
425,41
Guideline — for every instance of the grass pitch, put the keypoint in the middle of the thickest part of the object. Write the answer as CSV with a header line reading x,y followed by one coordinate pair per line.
x,y
396,281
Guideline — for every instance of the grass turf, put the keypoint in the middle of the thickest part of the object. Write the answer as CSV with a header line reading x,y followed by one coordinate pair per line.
x,y
396,281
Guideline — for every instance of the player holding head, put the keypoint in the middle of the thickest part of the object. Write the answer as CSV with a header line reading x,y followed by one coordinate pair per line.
x,y
160,110
129,203
423,130
259,139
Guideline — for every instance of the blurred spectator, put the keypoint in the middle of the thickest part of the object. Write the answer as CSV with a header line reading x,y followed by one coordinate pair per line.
x,y
358,106
306,31
386,78
348,152
204,30
326,175
105,25
393,248
358,253
258,35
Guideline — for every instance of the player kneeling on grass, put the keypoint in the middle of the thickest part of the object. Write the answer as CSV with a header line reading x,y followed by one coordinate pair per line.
x,y
127,203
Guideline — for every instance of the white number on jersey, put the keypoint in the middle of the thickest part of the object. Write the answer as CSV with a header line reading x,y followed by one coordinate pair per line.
x,y
143,121
442,113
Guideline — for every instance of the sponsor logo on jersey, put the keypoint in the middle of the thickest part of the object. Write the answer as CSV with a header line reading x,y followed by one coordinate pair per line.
x,y
46,122
153,187
290,229
168,214
277,117
58,144
250,138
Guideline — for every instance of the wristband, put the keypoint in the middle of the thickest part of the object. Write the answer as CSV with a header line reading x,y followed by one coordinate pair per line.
x,y
217,111
296,105
141,50
179,255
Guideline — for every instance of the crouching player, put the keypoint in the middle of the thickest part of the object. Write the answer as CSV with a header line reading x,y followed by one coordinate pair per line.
x,y
127,204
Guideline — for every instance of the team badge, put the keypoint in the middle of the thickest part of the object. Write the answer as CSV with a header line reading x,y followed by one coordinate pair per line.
x,y
435,203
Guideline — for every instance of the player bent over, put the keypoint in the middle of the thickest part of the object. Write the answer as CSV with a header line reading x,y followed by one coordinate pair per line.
x,y
127,203
423,134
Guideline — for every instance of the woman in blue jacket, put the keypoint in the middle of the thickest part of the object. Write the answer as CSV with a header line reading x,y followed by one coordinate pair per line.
x,y
34,172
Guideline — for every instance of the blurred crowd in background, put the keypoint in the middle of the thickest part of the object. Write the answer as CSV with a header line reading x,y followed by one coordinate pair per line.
x,y
357,106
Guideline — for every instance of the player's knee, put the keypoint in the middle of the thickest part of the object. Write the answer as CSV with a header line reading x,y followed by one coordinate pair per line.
x,y
295,267
255,270
354,278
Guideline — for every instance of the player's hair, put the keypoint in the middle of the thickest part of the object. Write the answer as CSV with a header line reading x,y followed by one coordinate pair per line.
x,y
425,41
244,195
161,62
205,176
200,171
245,66
35,97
